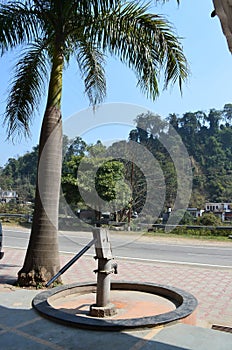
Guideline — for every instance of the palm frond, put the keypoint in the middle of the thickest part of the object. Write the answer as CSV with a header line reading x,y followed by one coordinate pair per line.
x,y
96,7
176,64
25,93
18,24
91,64
145,42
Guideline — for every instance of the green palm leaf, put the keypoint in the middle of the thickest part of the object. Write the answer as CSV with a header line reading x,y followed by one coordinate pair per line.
x,y
18,24
91,64
145,42
26,89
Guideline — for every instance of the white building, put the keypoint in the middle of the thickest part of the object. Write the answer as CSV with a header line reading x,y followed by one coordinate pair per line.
x,y
195,212
218,207
7,196
223,210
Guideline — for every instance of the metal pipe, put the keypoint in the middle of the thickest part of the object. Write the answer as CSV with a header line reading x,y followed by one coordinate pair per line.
x,y
103,282
71,262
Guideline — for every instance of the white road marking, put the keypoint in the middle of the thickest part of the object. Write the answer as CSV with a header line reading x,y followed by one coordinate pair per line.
x,y
159,261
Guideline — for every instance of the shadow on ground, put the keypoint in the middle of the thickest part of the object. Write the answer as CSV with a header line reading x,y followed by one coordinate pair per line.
x,y
25,329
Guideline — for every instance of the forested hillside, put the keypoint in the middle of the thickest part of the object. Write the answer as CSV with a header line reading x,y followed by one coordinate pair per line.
x,y
20,175
207,137
208,140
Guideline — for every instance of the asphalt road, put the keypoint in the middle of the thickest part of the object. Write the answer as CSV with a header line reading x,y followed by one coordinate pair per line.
x,y
130,246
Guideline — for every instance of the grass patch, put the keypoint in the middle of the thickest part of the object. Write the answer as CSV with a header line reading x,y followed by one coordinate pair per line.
x,y
200,234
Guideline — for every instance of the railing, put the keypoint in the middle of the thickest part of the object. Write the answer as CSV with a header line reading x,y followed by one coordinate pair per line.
x,y
14,215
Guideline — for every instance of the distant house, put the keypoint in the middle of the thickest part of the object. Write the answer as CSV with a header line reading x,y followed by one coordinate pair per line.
x,y
223,210
218,207
195,212
8,196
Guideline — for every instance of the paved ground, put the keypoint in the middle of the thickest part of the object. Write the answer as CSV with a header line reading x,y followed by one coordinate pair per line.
x,y
212,287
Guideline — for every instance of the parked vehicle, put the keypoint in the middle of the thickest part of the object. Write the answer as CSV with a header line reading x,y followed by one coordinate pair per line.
x,y
1,253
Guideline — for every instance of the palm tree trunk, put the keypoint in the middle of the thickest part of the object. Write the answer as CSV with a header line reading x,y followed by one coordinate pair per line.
x,y
42,257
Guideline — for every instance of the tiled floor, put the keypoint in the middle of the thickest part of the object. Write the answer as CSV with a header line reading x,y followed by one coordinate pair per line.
x,y
211,286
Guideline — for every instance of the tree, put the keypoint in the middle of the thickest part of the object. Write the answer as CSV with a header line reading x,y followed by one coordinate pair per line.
x,y
50,32
214,118
173,120
96,180
102,184
143,176
227,113
153,124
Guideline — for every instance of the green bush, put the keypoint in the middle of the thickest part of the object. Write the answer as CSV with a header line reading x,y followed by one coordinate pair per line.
x,y
209,219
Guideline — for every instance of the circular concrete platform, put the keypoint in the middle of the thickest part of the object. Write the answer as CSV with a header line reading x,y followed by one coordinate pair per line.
x,y
138,305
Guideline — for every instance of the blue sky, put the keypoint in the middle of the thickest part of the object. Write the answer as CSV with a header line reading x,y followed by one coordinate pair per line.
x,y
208,86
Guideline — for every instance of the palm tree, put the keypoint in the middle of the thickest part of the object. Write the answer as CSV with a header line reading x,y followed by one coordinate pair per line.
x,y
48,34
222,9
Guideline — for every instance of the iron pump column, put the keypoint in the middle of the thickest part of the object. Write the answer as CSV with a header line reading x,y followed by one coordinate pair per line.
x,y
103,307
